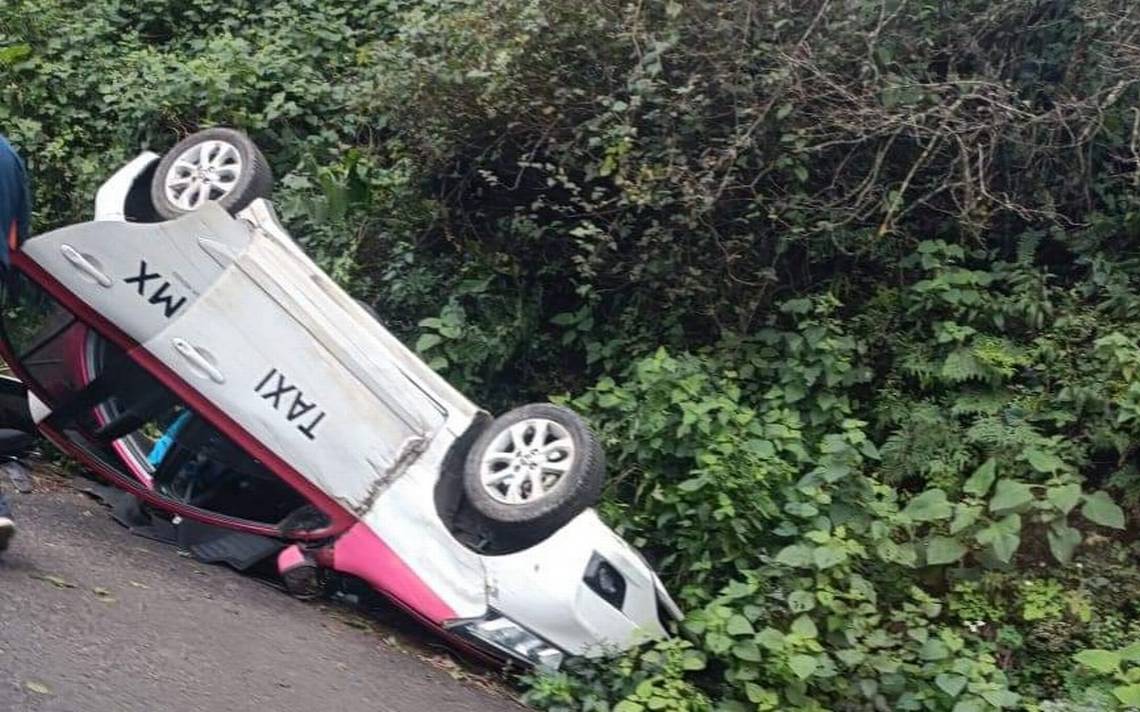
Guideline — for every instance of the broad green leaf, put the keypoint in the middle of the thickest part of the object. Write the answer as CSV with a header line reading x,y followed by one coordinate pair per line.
x,y
803,665
1006,546
862,589
1100,509
1064,497
609,400
1044,462
1100,660
1128,695
805,627
760,696
771,639
868,687
762,448
14,53
1003,537
803,510
1001,698
718,643
1063,540
934,649
886,664
747,651
1010,494
627,706
738,589
824,557
982,479
950,684
897,553
964,517
929,506
693,660
426,341
795,555
972,704
801,601
833,471
738,625
693,484
1131,654
818,536
944,550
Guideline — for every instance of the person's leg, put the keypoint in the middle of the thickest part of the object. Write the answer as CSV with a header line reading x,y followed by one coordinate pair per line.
x,y
7,526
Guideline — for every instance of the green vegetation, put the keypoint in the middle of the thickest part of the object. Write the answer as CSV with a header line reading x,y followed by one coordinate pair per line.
x,y
850,290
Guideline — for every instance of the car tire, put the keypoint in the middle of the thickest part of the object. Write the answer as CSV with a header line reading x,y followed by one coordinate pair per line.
x,y
305,582
220,164
535,467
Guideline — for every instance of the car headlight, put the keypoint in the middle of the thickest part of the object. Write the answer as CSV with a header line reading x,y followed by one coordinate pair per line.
x,y
604,579
512,639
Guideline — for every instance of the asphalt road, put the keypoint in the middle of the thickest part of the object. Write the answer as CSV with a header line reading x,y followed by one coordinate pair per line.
x,y
94,619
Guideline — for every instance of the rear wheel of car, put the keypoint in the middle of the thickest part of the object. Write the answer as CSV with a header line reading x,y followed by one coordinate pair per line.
x,y
536,468
305,582
221,165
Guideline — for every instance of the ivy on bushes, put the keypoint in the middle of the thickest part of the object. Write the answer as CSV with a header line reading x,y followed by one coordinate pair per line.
x,y
847,289
843,588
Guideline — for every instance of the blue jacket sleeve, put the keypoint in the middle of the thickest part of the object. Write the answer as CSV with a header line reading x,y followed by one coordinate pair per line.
x,y
14,201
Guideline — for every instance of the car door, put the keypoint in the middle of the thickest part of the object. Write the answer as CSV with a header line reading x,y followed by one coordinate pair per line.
x,y
129,279
137,276
268,345
76,307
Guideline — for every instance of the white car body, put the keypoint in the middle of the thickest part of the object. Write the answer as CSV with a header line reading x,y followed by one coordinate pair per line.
x,y
233,308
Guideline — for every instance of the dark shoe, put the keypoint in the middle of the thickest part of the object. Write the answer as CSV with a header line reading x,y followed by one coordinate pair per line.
x,y
7,531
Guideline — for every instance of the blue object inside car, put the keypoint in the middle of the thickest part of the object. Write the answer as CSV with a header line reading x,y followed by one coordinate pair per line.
x,y
162,446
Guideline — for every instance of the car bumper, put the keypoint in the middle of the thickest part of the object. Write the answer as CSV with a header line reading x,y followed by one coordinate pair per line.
x,y
583,590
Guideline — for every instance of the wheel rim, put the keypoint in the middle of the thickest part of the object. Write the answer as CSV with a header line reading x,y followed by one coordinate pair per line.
x,y
527,461
206,171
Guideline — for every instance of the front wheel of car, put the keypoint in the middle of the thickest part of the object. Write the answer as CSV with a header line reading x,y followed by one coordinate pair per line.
x,y
536,467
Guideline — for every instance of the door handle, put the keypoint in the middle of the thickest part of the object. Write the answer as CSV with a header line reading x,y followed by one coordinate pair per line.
x,y
197,360
84,265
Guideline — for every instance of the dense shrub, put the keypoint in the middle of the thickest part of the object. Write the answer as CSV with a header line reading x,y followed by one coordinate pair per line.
x,y
848,288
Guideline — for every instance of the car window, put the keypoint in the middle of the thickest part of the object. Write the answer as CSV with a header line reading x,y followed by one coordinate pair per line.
x,y
44,337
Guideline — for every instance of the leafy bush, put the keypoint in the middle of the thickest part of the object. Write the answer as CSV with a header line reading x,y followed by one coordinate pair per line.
x,y
848,289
